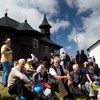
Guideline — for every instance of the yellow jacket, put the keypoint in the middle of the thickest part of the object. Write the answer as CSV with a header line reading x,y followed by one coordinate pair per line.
x,y
28,66
6,53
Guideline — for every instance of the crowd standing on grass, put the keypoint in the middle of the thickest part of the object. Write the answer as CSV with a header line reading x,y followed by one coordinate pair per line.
x,y
64,74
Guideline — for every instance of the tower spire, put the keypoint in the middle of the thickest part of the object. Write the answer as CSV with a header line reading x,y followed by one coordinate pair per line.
x,y
45,27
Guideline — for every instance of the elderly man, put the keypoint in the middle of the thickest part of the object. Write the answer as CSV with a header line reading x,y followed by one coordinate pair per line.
x,y
80,81
62,79
17,80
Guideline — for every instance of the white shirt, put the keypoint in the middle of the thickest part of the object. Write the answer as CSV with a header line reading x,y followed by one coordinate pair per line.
x,y
63,56
41,69
53,72
62,63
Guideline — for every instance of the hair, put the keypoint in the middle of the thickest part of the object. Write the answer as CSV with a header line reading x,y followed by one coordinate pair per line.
x,y
56,59
22,60
82,51
85,64
6,40
78,52
51,53
75,65
44,62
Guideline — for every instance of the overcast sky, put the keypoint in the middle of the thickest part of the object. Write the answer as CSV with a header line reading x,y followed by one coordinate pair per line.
x,y
67,18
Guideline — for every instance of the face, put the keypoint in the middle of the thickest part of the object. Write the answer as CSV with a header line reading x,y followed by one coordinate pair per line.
x,y
21,64
57,63
77,69
44,65
36,64
30,62
86,64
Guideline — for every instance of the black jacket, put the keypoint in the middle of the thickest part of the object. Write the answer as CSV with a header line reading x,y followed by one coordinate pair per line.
x,y
78,78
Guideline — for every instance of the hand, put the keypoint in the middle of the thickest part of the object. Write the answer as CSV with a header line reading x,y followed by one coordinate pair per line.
x,y
32,88
79,87
68,77
70,83
91,83
32,55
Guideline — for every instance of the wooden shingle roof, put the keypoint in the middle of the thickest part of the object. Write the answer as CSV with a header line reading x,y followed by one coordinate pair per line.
x,y
45,22
8,22
45,39
24,26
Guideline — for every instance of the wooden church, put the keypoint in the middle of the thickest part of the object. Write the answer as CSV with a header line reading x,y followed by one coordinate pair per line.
x,y
26,40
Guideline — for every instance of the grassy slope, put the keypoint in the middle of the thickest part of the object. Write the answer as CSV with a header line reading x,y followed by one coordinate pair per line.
x,y
4,93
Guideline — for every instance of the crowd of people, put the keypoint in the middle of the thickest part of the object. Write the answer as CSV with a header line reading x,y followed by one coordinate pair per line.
x,y
64,74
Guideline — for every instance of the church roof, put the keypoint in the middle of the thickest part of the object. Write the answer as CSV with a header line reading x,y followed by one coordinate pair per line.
x,y
45,39
8,22
45,22
24,26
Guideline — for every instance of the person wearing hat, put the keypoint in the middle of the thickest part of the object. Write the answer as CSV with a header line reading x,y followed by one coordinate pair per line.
x,y
6,59
29,67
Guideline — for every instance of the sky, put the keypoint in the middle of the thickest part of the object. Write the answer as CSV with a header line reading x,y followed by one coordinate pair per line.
x,y
75,23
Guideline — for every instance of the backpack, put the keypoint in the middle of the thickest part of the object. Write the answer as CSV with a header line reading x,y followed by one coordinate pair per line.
x,y
38,78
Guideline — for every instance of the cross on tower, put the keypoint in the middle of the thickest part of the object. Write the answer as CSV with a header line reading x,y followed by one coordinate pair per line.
x,y
6,10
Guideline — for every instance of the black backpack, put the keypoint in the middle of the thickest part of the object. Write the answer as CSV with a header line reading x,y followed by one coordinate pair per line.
x,y
38,78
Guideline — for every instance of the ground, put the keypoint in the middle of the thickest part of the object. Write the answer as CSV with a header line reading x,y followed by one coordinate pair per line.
x,y
4,93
